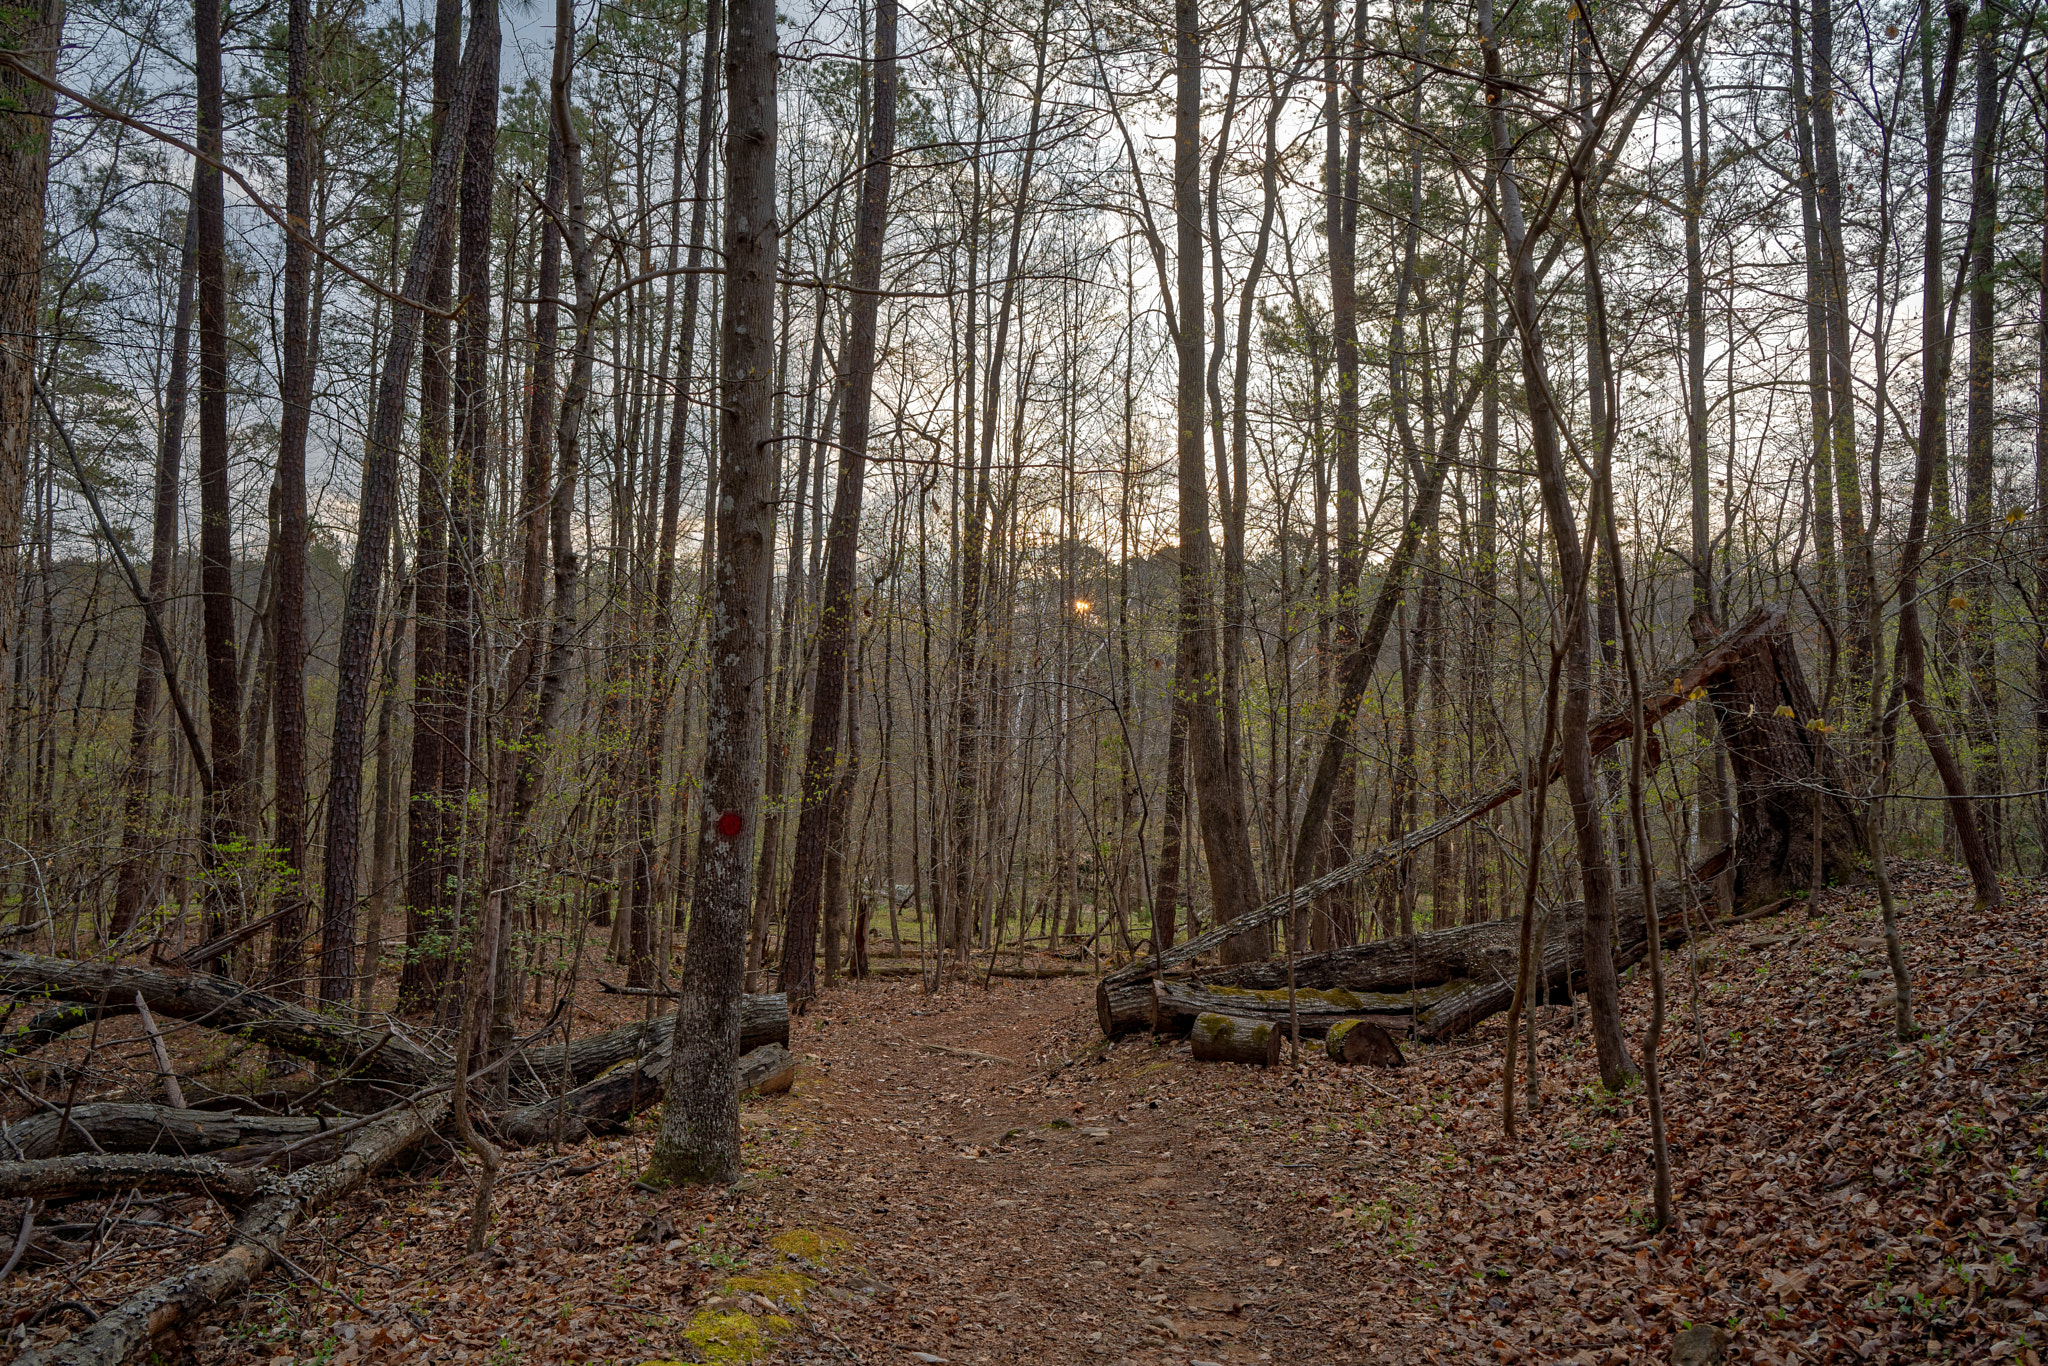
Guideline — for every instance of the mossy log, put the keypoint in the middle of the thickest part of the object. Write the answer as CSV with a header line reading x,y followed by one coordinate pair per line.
x,y
1176,1006
1429,986
1356,1042
1232,1038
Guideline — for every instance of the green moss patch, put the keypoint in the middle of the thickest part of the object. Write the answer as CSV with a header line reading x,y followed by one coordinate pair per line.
x,y
823,1246
727,1337
784,1287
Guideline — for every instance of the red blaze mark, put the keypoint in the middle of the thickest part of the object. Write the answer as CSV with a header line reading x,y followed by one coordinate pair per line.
x,y
730,824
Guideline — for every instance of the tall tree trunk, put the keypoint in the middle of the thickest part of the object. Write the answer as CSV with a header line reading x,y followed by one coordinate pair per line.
x,y
699,1139
2041,508
1226,833
1981,647
1929,455
978,531
377,507
288,623
662,687
34,31
1596,875
466,483
1859,567
225,805
820,794
136,877
422,983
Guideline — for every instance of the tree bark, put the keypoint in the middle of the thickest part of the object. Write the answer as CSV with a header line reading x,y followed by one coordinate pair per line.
x,y
1595,870
224,806
136,877
1219,791
288,647
355,655
34,31
1229,1038
699,1137
1929,456
836,611
423,982
1979,582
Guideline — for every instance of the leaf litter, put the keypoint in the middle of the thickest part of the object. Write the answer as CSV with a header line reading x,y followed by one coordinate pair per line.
x,y
1842,1198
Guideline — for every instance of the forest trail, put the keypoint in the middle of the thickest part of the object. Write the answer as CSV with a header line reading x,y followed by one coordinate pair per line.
x,y
1022,1219
1842,1199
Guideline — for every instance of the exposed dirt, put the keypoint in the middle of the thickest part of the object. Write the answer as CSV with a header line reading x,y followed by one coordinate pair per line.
x,y
1840,1198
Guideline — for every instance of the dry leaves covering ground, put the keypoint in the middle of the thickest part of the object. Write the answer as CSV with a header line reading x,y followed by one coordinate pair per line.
x,y
1843,1199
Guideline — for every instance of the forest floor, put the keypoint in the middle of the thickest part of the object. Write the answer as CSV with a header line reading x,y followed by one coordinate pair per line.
x,y
1840,1198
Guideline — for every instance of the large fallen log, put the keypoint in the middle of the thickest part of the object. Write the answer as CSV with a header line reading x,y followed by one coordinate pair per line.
x,y
117,1128
84,991
1177,1005
1232,1038
258,1238
608,1100
1356,1043
52,1179
1754,634
764,1019
219,1004
1428,986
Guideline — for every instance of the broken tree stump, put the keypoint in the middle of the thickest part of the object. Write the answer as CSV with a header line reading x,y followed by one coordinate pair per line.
x,y
1361,1042
1231,1038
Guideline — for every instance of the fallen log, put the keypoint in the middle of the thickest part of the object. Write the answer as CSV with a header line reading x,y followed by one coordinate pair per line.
x,y
769,1070
1177,1005
52,1023
219,1004
1427,986
53,1179
607,1101
1356,1042
1754,634
1231,1038
120,1128
764,1019
258,1239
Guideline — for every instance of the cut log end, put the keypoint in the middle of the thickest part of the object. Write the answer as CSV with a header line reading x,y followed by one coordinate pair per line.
x,y
769,1070
1231,1038
1361,1042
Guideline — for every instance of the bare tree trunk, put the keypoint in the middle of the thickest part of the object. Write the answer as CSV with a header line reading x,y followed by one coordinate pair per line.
x,y
135,877
225,805
1859,566
35,32
1595,871
699,1139
288,622
821,793
1980,651
423,982
1219,793
466,491
373,532
1930,454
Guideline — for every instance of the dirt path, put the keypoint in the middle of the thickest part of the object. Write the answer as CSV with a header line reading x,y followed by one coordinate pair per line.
x,y
1022,1218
